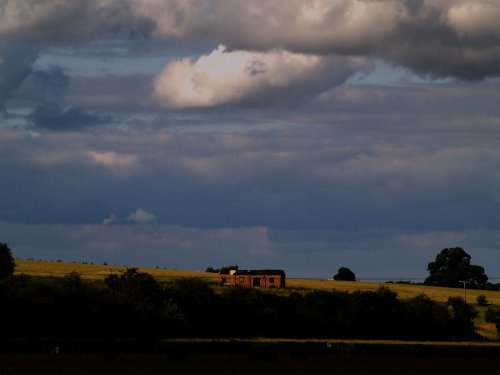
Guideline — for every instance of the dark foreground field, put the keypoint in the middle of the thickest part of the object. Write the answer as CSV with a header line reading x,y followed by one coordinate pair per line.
x,y
245,357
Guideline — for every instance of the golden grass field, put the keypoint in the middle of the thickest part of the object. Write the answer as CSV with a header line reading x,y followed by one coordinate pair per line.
x,y
404,290
94,271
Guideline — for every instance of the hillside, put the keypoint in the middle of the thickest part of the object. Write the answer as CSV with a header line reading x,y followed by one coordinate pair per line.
x,y
96,271
93,271
404,290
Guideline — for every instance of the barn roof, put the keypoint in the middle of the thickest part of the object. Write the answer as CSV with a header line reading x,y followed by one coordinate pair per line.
x,y
260,272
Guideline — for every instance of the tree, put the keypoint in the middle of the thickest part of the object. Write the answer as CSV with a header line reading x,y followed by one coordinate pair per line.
x,y
223,270
451,267
227,269
137,290
7,263
345,274
477,275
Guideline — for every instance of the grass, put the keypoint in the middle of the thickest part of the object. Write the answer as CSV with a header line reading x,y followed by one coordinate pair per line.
x,y
95,271
440,294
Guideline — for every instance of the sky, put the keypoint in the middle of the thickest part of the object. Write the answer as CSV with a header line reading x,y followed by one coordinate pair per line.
x,y
291,134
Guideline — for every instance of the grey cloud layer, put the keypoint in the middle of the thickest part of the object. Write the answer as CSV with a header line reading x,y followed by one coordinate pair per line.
x,y
15,65
372,253
408,168
52,116
297,178
439,38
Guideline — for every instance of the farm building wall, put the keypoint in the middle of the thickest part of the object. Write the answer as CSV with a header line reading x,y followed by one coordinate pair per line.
x,y
254,279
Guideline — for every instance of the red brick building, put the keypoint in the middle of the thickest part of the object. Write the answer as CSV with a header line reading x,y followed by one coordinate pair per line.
x,y
254,278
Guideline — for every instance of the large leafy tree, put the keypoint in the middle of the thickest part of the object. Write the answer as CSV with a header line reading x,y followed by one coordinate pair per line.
x,y
345,274
7,264
452,265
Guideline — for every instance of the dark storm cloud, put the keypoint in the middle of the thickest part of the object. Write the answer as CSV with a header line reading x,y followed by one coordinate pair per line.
x,y
51,21
23,84
46,90
387,254
334,171
397,171
313,177
52,81
16,63
437,38
470,103
41,86
52,116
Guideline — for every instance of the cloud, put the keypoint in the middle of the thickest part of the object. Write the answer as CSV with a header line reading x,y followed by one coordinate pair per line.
x,y
389,254
113,93
50,84
112,219
239,77
113,160
46,89
436,38
320,26
392,168
475,19
359,171
141,217
41,86
442,38
16,63
57,21
53,117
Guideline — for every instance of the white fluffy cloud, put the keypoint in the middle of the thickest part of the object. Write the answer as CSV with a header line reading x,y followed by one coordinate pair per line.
x,y
141,217
227,77
112,219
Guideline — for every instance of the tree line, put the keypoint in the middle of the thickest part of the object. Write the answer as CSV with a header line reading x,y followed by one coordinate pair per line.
x,y
134,304
452,268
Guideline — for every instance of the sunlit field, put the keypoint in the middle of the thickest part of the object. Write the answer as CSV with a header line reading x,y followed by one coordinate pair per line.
x,y
94,271
403,290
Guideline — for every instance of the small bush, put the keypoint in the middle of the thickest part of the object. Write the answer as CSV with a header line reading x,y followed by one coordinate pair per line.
x,y
492,315
482,300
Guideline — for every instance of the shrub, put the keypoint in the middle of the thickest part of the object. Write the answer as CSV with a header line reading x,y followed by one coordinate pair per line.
x,y
462,316
492,315
7,263
482,300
